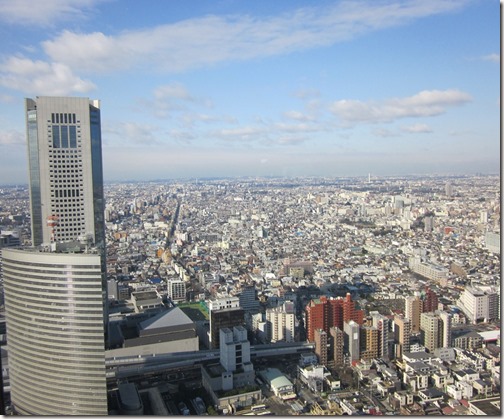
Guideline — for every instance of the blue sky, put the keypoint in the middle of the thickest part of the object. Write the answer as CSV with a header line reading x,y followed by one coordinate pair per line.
x,y
201,88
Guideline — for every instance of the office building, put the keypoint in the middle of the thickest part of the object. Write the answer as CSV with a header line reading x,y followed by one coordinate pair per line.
x,y
224,313
65,170
492,241
54,313
234,371
480,304
176,290
56,292
248,299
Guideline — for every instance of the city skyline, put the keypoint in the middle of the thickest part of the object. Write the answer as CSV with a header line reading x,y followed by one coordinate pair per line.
x,y
260,89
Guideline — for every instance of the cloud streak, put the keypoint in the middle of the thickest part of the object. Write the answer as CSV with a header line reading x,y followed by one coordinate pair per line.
x,y
423,104
43,13
211,39
495,58
191,43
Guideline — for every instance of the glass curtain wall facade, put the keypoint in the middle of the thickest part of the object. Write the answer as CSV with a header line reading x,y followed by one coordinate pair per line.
x,y
54,316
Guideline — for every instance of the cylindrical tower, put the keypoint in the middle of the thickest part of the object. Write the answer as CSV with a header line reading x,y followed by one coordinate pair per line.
x,y
54,312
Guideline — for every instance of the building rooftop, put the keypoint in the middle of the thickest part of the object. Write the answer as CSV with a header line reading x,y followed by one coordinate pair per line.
x,y
173,317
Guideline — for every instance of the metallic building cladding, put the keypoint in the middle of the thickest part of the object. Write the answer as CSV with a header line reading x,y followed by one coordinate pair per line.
x,y
55,332
55,302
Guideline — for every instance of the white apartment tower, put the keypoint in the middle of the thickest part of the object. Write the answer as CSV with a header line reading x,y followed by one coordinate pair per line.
x,y
352,339
281,323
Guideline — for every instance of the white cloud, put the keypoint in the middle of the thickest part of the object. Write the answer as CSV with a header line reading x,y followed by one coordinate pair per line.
x,y
491,57
246,133
12,137
417,128
296,127
41,78
291,140
214,39
7,98
384,133
172,91
129,134
43,13
425,103
298,116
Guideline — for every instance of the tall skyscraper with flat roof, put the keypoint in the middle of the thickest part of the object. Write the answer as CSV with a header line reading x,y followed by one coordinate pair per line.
x,y
56,292
65,169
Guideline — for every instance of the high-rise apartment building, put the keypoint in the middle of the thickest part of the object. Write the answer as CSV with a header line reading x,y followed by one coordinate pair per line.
x,y
336,347
281,323
324,313
430,301
56,292
436,330
431,327
352,339
413,310
369,343
402,329
321,343
382,325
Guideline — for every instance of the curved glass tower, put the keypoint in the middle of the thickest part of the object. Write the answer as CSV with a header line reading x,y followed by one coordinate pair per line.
x,y
54,316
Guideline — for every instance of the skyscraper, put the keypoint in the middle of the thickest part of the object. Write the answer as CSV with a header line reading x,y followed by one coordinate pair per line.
x,y
54,314
65,170
55,292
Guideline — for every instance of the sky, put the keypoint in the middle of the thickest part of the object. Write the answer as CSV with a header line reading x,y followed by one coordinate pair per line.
x,y
233,88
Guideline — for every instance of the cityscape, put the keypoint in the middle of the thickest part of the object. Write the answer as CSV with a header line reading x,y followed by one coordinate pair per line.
x,y
195,266
250,208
